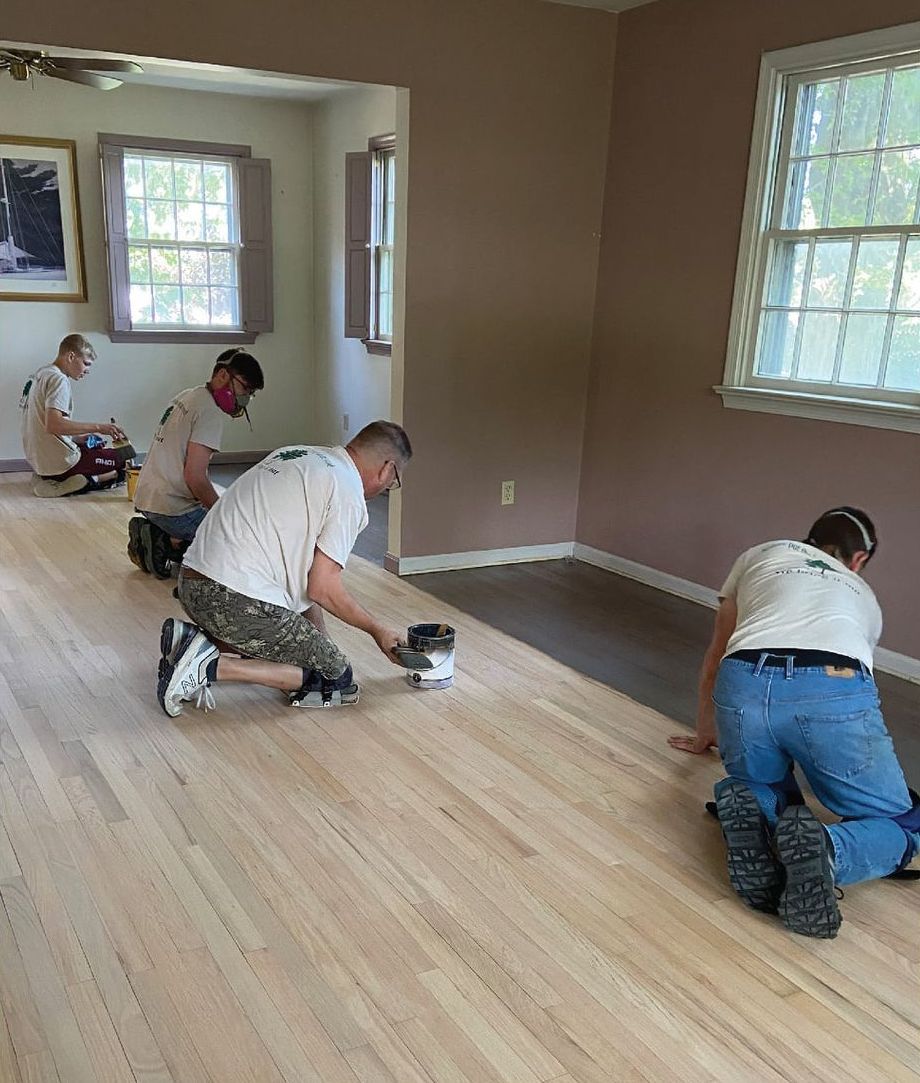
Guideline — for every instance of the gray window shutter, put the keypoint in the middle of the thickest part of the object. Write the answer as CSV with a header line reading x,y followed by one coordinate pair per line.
x,y
358,244
258,310
116,240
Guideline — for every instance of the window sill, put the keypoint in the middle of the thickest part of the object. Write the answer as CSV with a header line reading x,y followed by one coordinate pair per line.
x,y
375,345
900,417
187,337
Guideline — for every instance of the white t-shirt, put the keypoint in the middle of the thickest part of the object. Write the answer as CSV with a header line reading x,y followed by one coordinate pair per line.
x,y
48,389
194,416
259,538
790,594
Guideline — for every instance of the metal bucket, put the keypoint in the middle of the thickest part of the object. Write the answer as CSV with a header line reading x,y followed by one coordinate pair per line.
x,y
132,473
437,641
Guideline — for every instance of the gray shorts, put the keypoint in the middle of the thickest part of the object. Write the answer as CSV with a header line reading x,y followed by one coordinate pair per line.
x,y
259,629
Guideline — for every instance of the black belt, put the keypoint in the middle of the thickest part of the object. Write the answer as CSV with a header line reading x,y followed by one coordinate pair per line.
x,y
777,657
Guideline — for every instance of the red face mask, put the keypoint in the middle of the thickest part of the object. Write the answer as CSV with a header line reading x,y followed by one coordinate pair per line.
x,y
226,400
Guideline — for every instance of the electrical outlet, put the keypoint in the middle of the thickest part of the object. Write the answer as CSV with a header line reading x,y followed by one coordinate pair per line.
x,y
345,422
507,492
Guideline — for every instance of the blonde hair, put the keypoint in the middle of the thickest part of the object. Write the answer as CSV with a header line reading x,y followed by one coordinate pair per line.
x,y
77,344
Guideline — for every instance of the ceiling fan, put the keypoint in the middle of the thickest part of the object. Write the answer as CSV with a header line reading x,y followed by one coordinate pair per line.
x,y
25,64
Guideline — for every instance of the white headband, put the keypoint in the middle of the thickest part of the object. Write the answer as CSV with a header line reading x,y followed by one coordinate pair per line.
x,y
869,543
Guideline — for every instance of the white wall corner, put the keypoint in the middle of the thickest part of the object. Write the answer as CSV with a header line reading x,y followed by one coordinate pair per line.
x,y
483,558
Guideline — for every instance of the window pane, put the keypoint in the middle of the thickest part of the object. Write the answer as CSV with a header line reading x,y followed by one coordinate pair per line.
x,y
223,268
195,266
807,194
188,180
134,177
874,274
139,263
216,183
777,344
850,196
829,274
819,346
904,355
161,220
158,177
909,293
904,111
164,263
862,108
136,219
167,307
141,304
195,304
896,196
788,271
816,111
223,307
862,350
217,225
190,218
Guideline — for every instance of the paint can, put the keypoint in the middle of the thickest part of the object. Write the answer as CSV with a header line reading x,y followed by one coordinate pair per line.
x,y
132,473
437,642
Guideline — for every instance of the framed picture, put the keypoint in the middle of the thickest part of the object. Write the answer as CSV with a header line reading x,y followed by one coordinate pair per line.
x,y
41,244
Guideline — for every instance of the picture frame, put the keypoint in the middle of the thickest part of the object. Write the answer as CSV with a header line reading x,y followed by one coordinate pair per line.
x,y
41,237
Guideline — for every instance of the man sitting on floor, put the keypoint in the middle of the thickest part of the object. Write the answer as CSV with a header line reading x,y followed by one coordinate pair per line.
x,y
787,680
63,453
174,491
265,564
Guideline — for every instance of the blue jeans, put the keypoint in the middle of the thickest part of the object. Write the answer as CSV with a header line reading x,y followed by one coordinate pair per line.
x,y
828,723
178,526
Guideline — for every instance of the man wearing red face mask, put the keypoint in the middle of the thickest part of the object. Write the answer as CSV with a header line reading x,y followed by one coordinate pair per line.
x,y
174,491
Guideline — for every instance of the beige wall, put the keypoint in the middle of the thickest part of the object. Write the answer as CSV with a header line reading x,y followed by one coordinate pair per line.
x,y
348,380
134,381
670,478
509,120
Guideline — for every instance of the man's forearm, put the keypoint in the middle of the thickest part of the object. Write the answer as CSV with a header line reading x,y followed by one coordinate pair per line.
x,y
341,604
66,427
203,491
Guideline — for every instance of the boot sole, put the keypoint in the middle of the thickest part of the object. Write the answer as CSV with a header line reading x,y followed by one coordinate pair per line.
x,y
808,905
753,869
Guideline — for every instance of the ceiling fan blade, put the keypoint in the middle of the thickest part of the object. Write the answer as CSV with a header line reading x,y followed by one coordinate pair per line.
x,y
90,63
100,82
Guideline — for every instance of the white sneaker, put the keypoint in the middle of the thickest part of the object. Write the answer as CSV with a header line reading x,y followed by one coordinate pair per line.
x,y
46,487
186,678
174,635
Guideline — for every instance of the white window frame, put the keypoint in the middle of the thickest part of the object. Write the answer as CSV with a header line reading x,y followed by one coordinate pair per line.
x,y
381,149
741,388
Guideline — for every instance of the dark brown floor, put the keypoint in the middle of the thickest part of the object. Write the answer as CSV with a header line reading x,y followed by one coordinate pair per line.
x,y
639,640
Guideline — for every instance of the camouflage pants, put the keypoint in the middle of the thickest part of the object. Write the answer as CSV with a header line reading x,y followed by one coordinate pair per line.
x,y
259,629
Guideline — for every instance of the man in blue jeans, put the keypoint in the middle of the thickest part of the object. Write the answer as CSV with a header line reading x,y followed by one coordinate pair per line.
x,y
786,681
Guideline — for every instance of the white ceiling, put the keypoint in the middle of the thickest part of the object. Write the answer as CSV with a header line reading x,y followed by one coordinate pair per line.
x,y
215,78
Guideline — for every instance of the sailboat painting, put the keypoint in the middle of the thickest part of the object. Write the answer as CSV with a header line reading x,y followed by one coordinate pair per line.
x,y
41,257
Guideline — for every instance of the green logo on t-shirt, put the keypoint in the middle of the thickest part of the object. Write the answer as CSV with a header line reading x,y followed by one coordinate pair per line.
x,y
819,564
292,453
169,410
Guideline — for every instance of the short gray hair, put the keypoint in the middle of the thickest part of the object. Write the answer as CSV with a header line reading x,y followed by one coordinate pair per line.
x,y
385,439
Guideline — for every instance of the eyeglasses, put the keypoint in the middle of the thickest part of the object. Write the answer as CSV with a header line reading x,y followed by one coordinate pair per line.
x,y
247,390
397,481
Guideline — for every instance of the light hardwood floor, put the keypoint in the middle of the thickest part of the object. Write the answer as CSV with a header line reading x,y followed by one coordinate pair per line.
x,y
510,881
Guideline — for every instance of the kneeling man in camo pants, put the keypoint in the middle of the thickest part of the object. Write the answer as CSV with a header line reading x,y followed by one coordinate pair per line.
x,y
266,562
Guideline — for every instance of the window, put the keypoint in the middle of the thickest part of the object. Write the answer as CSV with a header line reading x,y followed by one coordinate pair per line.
x,y
188,230
826,320
370,230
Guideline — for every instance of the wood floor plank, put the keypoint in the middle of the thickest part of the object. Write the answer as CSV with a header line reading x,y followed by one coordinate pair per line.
x,y
507,881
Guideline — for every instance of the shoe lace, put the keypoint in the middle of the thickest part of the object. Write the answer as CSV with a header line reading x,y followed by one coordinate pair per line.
x,y
204,699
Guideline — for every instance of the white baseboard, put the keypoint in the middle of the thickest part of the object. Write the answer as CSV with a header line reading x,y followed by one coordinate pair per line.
x,y
898,665
483,558
671,584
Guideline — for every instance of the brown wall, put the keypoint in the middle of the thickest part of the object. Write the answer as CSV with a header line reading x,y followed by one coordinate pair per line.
x,y
670,478
510,103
